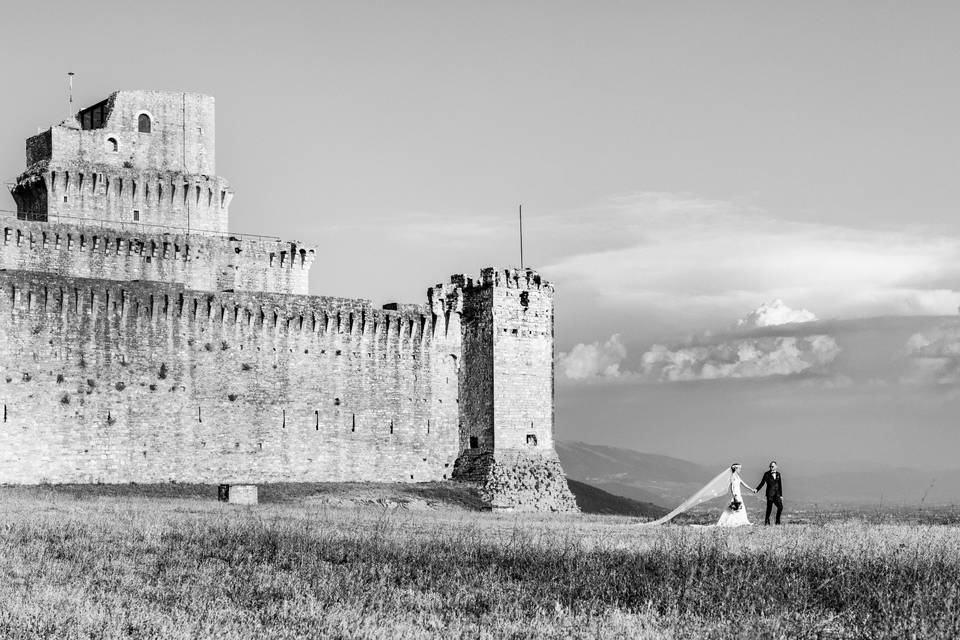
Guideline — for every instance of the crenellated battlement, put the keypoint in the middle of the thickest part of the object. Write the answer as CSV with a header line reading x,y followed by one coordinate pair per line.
x,y
525,278
115,196
127,190
204,262
29,293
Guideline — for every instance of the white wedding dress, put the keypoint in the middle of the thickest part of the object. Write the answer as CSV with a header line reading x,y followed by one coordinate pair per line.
x,y
735,515
725,483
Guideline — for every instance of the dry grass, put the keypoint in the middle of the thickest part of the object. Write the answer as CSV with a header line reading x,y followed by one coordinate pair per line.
x,y
124,566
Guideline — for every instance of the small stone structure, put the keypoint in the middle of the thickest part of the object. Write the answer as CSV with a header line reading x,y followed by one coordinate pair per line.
x,y
140,341
242,494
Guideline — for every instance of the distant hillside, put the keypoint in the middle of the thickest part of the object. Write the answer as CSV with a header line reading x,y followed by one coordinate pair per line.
x,y
644,477
593,460
667,481
593,500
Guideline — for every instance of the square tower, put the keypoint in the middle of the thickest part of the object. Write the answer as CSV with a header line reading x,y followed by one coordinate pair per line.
x,y
142,160
507,391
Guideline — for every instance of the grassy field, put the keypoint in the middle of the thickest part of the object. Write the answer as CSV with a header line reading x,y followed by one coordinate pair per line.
x,y
361,562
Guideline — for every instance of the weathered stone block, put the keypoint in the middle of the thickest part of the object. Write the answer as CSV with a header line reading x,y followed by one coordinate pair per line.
x,y
242,494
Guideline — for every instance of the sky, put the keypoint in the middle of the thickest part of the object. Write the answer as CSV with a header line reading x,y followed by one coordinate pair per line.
x,y
680,164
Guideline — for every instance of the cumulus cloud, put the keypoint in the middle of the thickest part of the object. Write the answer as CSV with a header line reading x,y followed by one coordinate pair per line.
x,y
595,360
935,355
740,358
774,314
746,354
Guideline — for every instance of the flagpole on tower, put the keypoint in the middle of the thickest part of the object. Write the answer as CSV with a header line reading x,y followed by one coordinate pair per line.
x,y
69,94
521,236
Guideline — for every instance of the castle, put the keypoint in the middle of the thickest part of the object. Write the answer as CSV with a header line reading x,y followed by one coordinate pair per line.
x,y
141,341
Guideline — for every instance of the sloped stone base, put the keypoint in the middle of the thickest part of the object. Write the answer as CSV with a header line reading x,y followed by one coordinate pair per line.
x,y
517,482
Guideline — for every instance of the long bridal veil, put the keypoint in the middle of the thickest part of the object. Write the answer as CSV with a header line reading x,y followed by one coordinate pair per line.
x,y
714,489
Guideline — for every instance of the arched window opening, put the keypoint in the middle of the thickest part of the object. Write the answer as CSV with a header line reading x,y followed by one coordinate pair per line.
x,y
143,123
111,144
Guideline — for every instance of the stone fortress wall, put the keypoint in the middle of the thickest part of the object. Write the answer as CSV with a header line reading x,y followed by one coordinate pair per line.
x,y
149,382
198,261
132,354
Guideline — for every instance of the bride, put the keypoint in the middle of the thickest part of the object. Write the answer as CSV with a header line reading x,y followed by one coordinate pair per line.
x,y
727,482
736,513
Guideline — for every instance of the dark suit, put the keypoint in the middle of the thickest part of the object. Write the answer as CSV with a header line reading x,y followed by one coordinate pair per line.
x,y
774,483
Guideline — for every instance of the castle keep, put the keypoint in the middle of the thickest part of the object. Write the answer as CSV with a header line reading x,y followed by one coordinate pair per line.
x,y
141,341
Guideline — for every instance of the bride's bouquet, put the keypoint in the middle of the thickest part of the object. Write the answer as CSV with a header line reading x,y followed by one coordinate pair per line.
x,y
735,505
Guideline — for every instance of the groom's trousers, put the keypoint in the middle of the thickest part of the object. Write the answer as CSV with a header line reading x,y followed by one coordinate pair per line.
x,y
770,504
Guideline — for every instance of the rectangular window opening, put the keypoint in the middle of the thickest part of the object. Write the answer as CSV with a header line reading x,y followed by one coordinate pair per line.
x,y
474,442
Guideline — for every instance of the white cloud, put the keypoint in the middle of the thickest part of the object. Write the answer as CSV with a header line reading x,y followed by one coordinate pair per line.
x,y
594,360
935,355
711,357
774,314
740,358
678,261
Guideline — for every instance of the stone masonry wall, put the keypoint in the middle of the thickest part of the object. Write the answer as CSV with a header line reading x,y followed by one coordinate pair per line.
x,y
208,263
522,310
182,138
523,482
124,197
145,382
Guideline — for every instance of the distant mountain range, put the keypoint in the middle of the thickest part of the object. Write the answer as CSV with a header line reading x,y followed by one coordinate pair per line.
x,y
590,499
659,480
643,477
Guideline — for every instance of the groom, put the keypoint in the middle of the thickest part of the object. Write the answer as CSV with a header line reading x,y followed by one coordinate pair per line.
x,y
774,491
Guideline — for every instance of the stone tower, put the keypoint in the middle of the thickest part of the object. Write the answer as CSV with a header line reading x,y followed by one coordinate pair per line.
x,y
143,158
127,190
507,394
